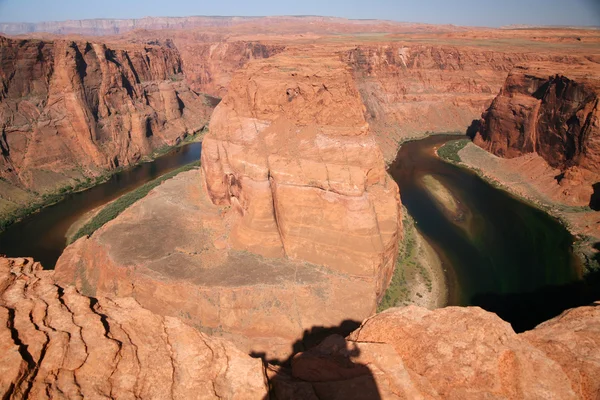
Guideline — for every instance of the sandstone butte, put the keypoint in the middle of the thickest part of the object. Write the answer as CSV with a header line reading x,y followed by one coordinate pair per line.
x,y
57,343
552,110
291,217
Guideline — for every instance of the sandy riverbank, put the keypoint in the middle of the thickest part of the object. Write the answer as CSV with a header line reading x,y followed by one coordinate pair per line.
x,y
419,277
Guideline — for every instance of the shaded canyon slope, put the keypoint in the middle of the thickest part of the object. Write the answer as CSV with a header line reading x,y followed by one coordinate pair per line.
x,y
74,109
58,343
552,110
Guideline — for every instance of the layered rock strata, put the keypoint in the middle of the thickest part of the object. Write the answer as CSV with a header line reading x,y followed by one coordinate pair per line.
x,y
414,89
57,343
552,111
290,151
171,252
73,109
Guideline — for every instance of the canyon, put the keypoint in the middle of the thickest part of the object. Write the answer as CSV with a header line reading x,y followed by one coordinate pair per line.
x,y
289,230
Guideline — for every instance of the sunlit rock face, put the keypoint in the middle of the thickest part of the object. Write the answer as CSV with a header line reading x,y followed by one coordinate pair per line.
x,y
74,109
290,151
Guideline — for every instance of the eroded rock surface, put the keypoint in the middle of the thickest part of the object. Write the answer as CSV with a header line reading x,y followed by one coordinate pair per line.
x,y
56,343
170,252
73,109
551,110
451,353
290,151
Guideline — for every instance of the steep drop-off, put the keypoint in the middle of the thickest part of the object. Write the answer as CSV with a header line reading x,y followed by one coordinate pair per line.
x,y
71,110
289,149
553,111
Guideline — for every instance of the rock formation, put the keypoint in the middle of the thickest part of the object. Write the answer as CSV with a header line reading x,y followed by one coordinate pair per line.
x,y
303,213
412,89
451,353
70,110
553,111
289,149
58,343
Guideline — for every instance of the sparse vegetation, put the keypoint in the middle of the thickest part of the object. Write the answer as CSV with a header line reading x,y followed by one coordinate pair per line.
x,y
112,210
449,151
408,266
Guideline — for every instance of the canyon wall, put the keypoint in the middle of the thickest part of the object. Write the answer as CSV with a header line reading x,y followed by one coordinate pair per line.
x,y
551,110
289,150
58,343
413,89
71,110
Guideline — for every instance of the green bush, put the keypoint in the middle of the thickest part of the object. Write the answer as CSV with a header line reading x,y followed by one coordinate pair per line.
x,y
449,151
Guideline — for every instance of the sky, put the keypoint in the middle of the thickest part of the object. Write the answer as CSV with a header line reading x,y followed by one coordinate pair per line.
x,y
458,12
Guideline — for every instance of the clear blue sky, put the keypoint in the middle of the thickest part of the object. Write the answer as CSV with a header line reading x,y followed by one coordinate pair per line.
x,y
460,12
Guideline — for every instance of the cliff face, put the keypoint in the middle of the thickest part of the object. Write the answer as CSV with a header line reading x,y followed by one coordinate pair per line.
x,y
58,343
546,109
70,110
290,150
411,89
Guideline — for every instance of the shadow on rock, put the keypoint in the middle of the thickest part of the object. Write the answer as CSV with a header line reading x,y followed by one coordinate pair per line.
x,y
322,365
525,311
595,199
473,128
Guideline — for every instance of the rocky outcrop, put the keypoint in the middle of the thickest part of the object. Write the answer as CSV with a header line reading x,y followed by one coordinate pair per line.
x,y
413,89
57,343
170,251
290,151
547,109
451,353
70,110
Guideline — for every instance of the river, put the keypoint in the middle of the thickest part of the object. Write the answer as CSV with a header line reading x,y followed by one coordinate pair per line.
x,y
499,253
42,235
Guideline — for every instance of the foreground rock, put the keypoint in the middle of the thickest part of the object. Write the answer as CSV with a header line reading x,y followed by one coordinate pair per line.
x,y
451,353
59,344
551,110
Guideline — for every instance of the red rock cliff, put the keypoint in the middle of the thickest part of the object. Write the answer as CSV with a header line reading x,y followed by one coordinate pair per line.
x,y
549,109
74,109
411,89
290,150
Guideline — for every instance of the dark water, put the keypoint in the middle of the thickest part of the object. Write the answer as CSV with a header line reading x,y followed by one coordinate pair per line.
x,y
42,235
500,253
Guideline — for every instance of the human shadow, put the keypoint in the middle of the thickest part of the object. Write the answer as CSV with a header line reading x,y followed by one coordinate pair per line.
x,y
320,366
524,311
